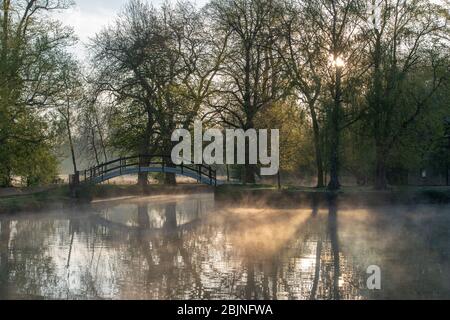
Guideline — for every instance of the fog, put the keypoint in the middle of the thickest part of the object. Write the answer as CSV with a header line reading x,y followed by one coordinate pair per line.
x,y
196,247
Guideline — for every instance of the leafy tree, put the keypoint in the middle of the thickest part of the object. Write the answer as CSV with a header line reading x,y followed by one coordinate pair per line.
x,y
157,71
404,42
29,43
250,79
337,27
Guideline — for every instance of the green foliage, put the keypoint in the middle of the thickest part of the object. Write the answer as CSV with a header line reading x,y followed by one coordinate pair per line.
x,y
296,143
241,63
31,45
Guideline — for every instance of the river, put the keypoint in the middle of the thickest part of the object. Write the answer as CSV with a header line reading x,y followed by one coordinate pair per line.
x,y
192,247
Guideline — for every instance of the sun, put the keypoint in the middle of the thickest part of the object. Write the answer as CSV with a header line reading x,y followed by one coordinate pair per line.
x,y
337,62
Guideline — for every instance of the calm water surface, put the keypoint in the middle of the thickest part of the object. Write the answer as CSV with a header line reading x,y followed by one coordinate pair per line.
x,y
189,247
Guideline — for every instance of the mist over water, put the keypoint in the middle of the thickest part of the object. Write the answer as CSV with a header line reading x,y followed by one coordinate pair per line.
x,y
192,247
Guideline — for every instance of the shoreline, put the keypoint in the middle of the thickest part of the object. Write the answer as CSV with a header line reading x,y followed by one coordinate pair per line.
x,y
348,196
59,198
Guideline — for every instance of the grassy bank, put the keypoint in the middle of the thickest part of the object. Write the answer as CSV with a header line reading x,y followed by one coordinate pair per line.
x,y
60,197
54,198
291,195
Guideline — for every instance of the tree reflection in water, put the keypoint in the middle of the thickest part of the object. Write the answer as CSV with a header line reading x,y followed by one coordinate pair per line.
x,y
193,248
5,231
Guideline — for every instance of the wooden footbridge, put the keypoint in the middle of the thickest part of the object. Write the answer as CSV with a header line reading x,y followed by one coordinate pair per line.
x,y
204,174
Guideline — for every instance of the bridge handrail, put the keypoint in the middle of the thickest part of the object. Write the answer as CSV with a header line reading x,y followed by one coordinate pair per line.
x,y
138,157
146,161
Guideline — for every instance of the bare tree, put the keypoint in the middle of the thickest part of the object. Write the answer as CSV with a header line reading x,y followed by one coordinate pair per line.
x,y
70,97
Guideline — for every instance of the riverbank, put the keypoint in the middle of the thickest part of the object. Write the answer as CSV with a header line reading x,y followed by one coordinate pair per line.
x,y
60,197
354,196
54,198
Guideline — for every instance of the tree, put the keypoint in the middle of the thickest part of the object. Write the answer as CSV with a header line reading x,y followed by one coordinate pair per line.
x,y
401,46
296,147
249,76
305,62
29,42
93,121
158,68
68,100
339,35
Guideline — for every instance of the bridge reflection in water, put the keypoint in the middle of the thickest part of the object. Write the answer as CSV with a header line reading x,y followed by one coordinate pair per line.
x,y
193,248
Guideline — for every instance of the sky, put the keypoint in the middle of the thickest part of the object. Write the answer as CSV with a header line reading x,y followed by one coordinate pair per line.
x,y
88,17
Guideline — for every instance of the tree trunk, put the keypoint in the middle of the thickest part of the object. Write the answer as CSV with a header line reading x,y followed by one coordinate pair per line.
x,y
334,183
279,180
379,129
169,178
317,147
380,171
249,169
69,132
100,135
448,173
249,173
72,149
334,145
5,179
143,176
94,147
142,179
145,149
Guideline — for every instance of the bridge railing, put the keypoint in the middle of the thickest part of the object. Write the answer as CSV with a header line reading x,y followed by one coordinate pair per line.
x,y
145,161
